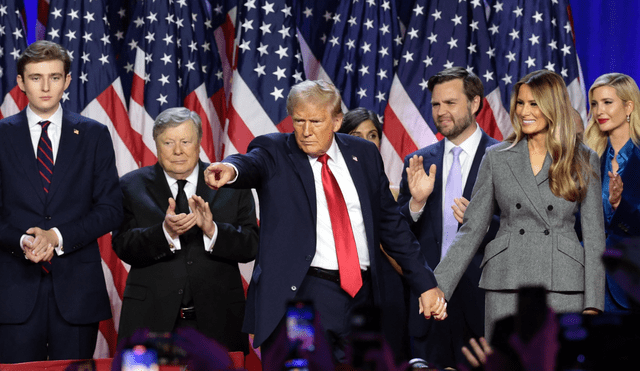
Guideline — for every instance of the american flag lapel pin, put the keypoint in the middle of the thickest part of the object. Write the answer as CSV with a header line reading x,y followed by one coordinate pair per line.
x,y
76,131
354,158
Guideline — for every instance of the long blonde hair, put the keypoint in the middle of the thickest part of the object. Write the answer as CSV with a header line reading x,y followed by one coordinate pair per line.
x,y
570,170
626,90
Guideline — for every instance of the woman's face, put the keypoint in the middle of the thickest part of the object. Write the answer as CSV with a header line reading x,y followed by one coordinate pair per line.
x,y
533,121
609,110
367,130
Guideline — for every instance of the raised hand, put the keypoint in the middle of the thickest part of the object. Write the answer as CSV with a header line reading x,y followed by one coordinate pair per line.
x,y
615,189
218,174
204,218
420,184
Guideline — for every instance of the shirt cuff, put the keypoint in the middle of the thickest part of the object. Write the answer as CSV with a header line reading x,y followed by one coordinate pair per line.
x,y
415,215
174,243
60,248
22,244
209,242
235,169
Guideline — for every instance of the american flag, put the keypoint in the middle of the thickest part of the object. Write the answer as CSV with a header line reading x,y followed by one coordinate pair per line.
x,y
314,20
441,34
269,62
533,35
13,41
172,61
361,52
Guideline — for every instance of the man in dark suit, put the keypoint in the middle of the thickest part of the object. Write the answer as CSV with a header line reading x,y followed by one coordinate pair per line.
x,y
324,199
58,193
457,97
184,241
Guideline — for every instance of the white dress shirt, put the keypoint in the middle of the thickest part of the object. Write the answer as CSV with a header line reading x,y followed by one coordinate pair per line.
x,y
325,256
189,190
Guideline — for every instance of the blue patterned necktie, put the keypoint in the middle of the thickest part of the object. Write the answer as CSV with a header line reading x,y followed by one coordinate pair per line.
x,y
45,157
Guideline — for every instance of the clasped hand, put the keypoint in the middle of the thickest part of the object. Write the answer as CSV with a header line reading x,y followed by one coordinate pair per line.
x,y
433,303
178,224
39,245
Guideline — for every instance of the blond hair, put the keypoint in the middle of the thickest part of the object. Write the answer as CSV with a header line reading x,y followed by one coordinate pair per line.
x,y
570,170
315,91
626,90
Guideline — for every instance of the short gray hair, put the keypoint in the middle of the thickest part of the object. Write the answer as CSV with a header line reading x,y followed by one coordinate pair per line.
x,y
316,91
172,117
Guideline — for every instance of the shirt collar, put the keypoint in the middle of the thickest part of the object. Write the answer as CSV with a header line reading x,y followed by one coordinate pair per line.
x,y
33,119
468,145
333,151
192,178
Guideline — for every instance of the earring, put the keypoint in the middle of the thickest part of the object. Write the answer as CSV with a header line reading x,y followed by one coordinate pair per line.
x,y
628,118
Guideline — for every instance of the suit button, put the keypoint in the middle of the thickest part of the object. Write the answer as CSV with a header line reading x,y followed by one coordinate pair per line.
x,y
189,262
308,258
550,207
47,217
522,231
546,232
293,288
518,205
180,292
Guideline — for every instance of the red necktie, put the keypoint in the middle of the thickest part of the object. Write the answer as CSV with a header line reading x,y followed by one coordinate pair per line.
x,y
348,262
45,157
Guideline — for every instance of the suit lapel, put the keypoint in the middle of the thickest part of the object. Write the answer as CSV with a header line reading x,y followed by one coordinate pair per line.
x,y
158,187
22,145
202,189
520,165
302,168
475,166
434,202
70,139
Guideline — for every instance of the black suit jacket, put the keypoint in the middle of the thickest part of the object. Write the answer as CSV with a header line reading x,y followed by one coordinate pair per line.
x,y
157,278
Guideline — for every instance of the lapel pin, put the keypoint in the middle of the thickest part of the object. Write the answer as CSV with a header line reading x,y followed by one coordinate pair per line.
x,y
76,131
354,158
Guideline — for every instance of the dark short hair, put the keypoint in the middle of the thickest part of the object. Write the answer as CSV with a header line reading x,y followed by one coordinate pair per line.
x,y
175,116
42,51
470,82
357,116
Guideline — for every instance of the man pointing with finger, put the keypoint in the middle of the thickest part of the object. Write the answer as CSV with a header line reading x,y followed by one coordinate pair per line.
x,y
325,206
184,240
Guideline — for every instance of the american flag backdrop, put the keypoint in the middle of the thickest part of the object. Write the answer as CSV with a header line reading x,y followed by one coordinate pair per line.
x,y
233,61
13,41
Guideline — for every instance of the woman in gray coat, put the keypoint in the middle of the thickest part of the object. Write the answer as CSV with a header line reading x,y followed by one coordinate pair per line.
x,y
538,178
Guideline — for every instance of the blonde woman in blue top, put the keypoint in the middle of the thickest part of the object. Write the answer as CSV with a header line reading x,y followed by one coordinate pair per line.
x,y
614,133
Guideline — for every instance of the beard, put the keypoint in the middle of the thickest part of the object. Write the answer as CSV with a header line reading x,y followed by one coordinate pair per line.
x,y
459,125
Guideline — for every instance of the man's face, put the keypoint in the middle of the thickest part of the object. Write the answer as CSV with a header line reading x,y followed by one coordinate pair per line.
x,y
314,126
44,83
452,111
178,150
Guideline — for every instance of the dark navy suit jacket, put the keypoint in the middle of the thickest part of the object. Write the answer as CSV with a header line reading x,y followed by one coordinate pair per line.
x,y
283,178
84,203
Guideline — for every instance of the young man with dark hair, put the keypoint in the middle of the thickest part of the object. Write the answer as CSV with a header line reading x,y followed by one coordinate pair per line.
x,y
59,192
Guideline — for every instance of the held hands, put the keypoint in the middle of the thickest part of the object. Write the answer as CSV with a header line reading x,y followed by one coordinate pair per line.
x,y
615,189
459,207
218,174
432,302
204,218
420,184
177,225
40,246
